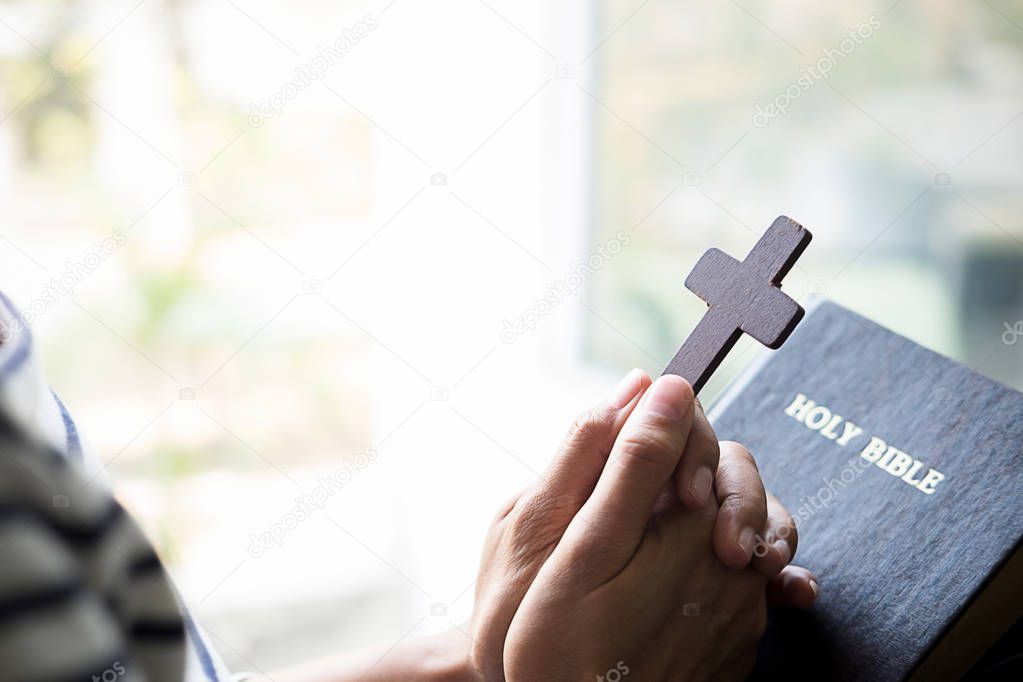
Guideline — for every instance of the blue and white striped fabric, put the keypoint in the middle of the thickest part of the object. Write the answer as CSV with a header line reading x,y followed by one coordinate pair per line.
x,y
28,402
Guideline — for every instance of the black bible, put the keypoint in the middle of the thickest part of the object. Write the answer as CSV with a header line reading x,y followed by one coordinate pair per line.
x,y
904,472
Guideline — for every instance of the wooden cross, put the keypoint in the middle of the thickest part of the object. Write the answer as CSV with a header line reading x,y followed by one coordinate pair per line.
x,y
742,298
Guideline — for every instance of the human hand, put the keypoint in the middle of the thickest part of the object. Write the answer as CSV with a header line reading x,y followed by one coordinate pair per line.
x,y
531,525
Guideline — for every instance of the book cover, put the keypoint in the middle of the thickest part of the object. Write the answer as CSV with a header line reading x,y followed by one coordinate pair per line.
x,y
904,472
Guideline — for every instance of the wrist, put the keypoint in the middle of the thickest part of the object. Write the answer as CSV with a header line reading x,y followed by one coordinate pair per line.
x,y
437,658
446,657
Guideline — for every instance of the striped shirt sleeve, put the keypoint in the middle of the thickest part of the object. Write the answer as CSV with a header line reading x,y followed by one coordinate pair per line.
x,y
37,412
82,594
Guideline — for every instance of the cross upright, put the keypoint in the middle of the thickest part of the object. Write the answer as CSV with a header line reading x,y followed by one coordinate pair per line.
x,y
742,297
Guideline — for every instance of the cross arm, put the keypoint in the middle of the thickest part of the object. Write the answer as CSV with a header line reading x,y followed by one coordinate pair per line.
x,y
778,249
770,316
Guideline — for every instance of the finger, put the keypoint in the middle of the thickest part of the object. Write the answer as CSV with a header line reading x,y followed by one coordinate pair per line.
x,y
743,505
576,466
509,504
641,463
794,588
776,545
694,477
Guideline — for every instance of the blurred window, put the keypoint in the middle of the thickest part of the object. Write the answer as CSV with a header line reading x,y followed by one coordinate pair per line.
x,y
892,130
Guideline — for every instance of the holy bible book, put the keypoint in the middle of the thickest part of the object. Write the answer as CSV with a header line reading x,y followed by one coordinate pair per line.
x,y
904,472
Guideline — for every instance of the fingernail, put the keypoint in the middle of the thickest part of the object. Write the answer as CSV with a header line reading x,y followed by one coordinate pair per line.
x,y
760,547
746,541
626,389
667,397
815,587
784,550
703,479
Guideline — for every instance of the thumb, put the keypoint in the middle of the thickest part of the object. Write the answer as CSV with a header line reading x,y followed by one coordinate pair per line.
x,y
576,466
612,522
538,518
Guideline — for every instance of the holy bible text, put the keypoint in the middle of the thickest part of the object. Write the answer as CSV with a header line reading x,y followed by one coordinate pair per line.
x,y
887,457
